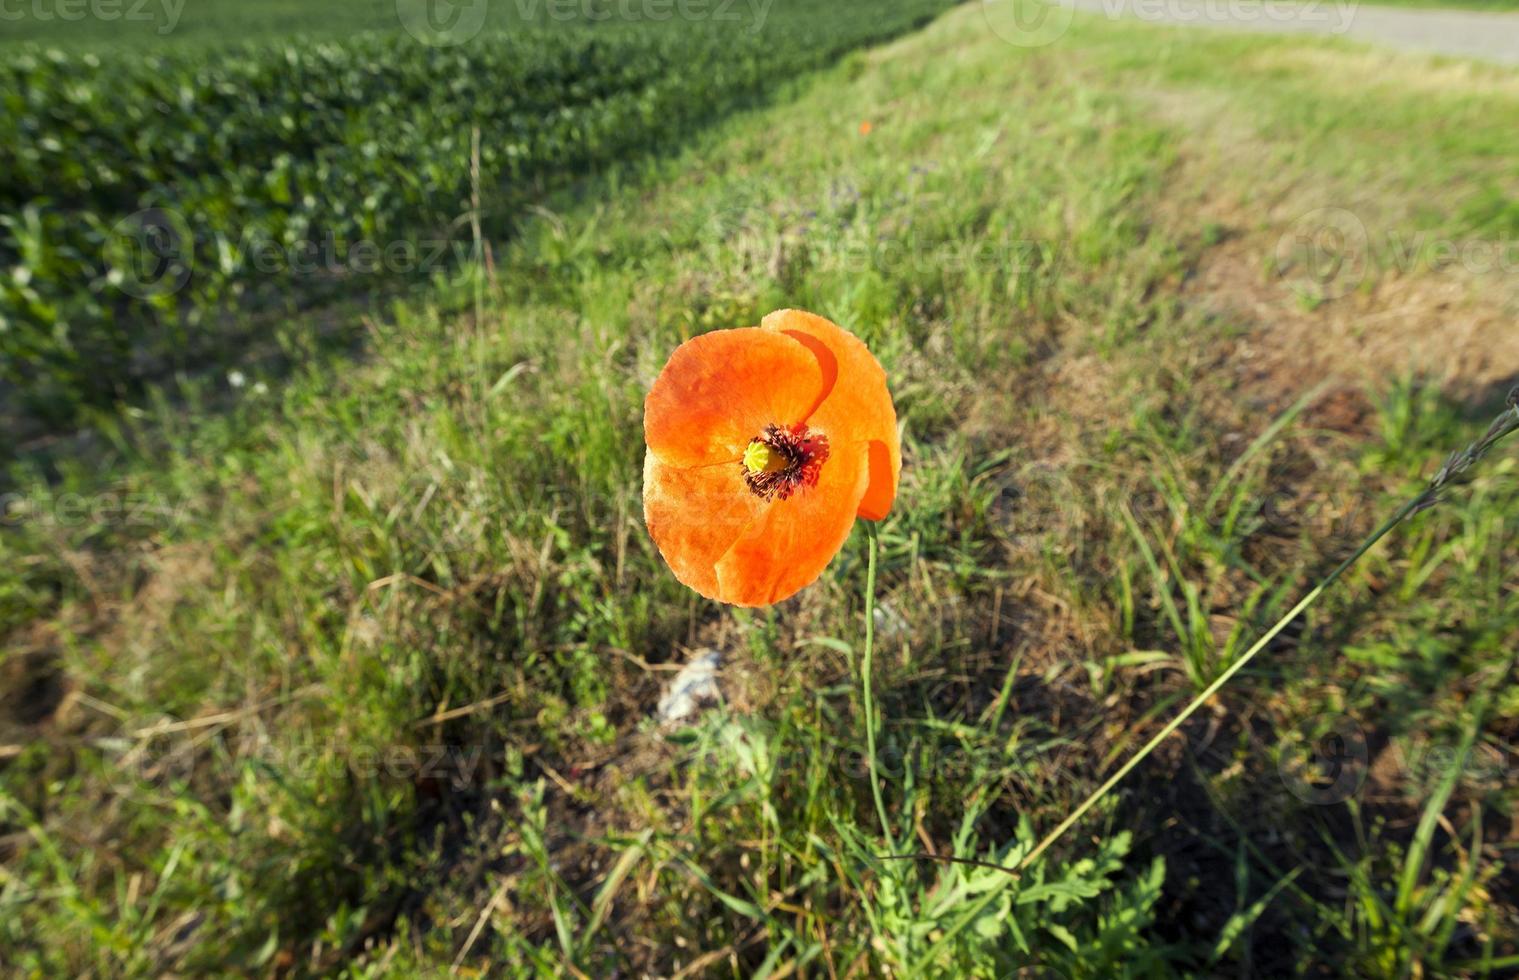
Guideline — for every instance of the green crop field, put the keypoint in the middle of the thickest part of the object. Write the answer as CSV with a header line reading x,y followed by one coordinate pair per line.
x,y
332,639
153,205
142,24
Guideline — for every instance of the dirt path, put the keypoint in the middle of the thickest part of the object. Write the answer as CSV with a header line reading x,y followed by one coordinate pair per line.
x,y
1488,36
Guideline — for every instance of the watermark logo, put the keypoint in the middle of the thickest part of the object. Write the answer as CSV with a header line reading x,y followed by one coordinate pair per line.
x,y
150,253
1037,505
1326,763
842,232
442,23
1028,23
1325,250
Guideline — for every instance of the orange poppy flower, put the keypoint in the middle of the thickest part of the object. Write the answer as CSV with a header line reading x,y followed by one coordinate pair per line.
x,y
764,444
866,127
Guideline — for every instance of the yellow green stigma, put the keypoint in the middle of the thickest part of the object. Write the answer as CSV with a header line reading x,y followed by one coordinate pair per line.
x,y
784,459
760,458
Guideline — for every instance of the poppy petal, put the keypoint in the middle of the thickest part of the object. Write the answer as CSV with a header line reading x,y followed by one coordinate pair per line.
x,y
855,406
791,543
695,515
720,389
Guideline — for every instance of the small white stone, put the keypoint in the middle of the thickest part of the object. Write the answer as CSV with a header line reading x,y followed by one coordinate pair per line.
x,y
694,688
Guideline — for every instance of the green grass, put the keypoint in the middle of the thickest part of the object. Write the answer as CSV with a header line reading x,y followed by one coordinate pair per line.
x,y
349,667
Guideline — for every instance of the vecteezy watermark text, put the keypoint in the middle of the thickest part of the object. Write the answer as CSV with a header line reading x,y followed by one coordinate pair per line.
x,y
336,256
1335,15
164,13
751,13
153,253
1331,252
164,761
445,23
66,509
1035,23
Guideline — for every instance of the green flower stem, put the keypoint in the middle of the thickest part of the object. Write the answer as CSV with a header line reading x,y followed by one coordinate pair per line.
x,y
1455,467
1217,684
866,662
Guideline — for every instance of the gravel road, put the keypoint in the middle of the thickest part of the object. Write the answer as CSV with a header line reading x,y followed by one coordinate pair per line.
x,y
1487,36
